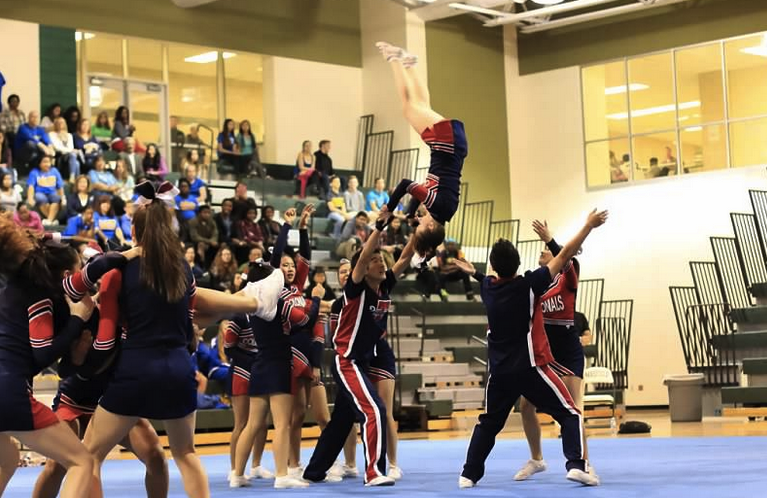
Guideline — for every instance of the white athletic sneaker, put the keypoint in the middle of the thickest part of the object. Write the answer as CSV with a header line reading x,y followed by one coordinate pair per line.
x,y
389,51
332,478
582,477
288,481
409,60
238,482
465,482
351,471
337,470
296,472
380,481
260,472
395,472
531,467
267,292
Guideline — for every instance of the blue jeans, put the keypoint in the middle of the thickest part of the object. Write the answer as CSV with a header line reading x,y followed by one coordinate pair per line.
x,y
41,198
74,164
338,223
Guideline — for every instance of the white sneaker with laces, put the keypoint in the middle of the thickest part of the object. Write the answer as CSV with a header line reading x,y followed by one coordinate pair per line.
x,y
351,471
389,51
332,478
260,472
465,482
288,481
531,467
229,476
296,471
577,475
380,481
267,292
239,482
395,473
409,60
336,470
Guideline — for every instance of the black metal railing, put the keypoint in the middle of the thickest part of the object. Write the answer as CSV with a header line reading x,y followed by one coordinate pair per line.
x,y
475,232
759,205
529,254
504,229
588,299
402,165
730,272
751,254
708,286
364,128
612,335
377,157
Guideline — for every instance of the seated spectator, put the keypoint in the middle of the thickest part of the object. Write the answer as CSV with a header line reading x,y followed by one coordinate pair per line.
x,y
582,328
353,198
45,190
204,234
248,231
378,197
190,257
241,203
64,145
228,153
101,130
354,235
223,269
12,117
126,220
124,181
319,277
208,361
449,271
197,187
270,229
254,255
87,146
185,201
27,218
107,225
133,160
304,171
176,144
251,161
10,196
393,241
6,159
81,227
154,165
81,198
103,182
72,117
32,142
192,158
336,207
122,125
323,165
225,223
51,114
193,138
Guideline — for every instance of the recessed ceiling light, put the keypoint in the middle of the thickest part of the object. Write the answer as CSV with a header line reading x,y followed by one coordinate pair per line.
x,y
634,87
654,110
547,2
208,57
79,35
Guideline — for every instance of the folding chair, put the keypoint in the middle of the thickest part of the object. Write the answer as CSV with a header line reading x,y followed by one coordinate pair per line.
x,y
602,376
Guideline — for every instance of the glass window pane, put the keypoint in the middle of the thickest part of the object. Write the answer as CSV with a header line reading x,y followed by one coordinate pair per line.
x,y
699,85
747,145
605,104
244,90
144,59
103,54
746,61
608,162
652,103
704,148
655,155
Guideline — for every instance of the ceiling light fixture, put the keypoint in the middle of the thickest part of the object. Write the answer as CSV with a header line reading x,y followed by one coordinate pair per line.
x,y
79,36
547,2
634,87
478,10
694,128
759,50
208,57
654,110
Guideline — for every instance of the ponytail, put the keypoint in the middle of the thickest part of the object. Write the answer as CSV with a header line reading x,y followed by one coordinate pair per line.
x,y
162,265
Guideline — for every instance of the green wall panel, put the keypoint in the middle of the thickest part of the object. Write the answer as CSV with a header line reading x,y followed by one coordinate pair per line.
x,y
317,30
467,82
58,67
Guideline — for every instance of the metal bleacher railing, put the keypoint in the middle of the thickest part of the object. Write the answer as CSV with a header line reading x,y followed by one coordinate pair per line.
x,y
750,252
612,335
730,272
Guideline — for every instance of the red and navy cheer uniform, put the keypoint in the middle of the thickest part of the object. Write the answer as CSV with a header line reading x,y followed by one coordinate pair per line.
x,y
519,359
440,192
558,306
270,372
362,323
240,348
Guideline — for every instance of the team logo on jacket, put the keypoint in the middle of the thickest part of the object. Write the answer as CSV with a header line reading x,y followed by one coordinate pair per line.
x,y
552,305
379,311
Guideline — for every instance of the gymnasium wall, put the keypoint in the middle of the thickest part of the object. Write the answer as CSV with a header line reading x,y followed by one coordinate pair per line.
x,y
655,227
20,62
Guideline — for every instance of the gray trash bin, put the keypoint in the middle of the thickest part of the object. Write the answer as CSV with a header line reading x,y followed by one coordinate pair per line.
x,y
685,397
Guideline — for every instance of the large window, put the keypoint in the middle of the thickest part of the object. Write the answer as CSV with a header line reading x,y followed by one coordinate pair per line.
x,y
244,90
680,112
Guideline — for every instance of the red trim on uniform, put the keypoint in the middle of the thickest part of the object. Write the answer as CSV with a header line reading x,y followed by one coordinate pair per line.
x,y
541,349
441,132
42,416
302,273
347,324
376,375
41,323
560,387
68,413
240,381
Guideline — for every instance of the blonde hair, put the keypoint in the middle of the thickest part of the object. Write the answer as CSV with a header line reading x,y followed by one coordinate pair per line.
x,y
59,125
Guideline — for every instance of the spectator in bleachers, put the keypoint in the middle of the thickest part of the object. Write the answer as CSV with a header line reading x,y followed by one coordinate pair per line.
x,y
223,269
204,234
108,227
124,181
193,138
197,187
225,223
6,159
72,116
353,198
177,140
82,226
185,201
246,143
32,142
450,272
319,277
393,241
193,158
27,218
132,158
304,171
323,165
378,197
249,232
12,117
126,220
10,196
241,203
89,148
53,112
254,255
270,229
154,164
80,198
101,129
228,152
103,182
190,257
64,145
122,126
336,207
356,232
45,190
583,328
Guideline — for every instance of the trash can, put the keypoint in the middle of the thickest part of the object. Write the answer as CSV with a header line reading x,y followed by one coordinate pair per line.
x,y
685,397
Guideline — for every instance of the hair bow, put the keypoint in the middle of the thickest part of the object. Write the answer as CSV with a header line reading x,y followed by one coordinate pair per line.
x,y
166,192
